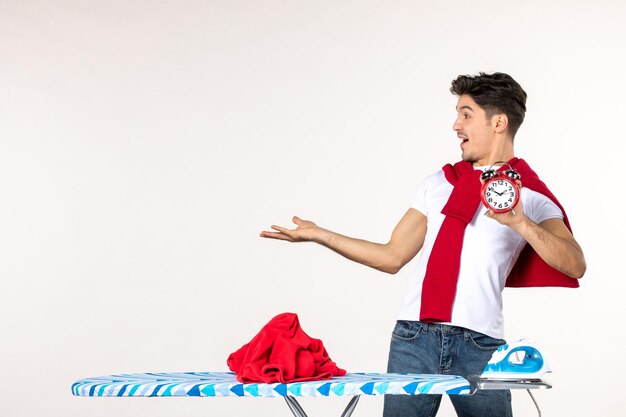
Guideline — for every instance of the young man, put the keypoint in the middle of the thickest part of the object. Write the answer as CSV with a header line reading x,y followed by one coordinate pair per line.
x,y
459,337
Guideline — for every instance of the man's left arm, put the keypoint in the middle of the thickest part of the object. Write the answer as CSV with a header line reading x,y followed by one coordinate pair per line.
x,y
551,239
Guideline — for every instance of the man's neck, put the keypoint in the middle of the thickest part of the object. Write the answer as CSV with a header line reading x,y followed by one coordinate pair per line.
x,y
503,151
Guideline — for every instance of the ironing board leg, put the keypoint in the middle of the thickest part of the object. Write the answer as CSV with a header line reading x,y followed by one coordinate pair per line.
x,y
294,406
351,406
297,410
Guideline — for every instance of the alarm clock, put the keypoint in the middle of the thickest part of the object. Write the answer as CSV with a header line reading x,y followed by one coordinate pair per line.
x,y
500,191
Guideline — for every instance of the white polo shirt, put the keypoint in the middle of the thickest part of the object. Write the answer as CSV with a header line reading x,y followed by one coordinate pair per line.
x,y
489,253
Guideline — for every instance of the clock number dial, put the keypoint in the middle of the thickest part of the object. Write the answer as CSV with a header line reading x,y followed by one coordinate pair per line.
x,y
500,194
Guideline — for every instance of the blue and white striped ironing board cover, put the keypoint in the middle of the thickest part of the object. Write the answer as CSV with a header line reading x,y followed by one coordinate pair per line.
x,y
224,384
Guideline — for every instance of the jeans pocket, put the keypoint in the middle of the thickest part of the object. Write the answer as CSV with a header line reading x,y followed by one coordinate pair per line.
x,y
484,342
406,330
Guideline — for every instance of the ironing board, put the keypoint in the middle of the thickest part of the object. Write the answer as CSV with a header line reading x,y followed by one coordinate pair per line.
x,y
224,384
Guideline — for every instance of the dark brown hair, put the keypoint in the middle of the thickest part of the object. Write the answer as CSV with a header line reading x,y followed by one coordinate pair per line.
x,y
495,93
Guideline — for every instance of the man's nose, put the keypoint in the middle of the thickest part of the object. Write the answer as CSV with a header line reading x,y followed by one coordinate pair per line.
x,y
457,125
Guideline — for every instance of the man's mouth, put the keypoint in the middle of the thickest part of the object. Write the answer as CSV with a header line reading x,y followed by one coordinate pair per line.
x,y
464,139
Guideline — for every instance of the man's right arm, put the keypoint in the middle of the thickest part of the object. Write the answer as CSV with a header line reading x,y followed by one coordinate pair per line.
x,y
406,241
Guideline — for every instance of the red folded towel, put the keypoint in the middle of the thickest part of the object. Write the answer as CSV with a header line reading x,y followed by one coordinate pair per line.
x,y
282,352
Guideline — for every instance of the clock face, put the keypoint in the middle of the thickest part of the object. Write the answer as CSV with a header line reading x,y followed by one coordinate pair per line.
x,y
500,194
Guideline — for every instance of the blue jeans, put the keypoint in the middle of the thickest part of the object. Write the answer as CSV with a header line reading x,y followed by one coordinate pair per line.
x,y
426,348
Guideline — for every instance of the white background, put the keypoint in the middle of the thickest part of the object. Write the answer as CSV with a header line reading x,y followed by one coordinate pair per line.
x,y
145,144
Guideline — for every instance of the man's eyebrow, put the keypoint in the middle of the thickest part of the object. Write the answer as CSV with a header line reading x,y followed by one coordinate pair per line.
x,y
465,107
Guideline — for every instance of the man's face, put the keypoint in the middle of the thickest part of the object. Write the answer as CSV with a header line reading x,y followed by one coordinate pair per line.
x,y
475,130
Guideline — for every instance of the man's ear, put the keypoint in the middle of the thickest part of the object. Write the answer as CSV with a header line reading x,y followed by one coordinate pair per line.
x,y
500,122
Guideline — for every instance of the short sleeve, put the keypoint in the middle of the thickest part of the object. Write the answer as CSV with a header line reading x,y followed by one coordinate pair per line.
x,y
540,208
419,197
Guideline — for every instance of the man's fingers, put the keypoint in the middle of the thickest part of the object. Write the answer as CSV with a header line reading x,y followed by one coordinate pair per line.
x,y
276,235
280,229
285,231
292,235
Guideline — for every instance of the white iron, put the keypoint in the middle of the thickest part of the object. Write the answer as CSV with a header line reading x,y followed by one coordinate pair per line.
x,y
517,361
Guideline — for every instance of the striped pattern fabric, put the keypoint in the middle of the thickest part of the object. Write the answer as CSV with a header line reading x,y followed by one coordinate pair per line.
x,y
224,384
